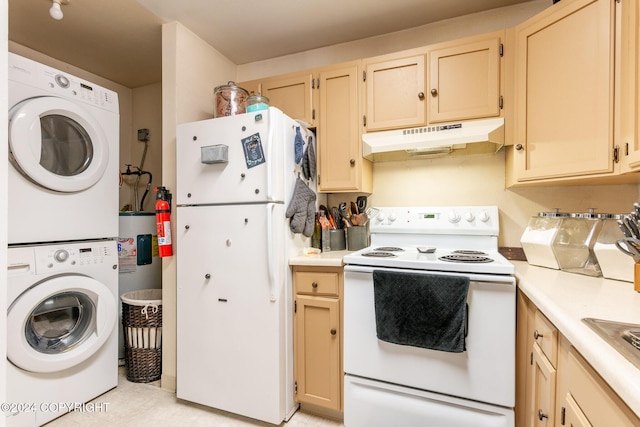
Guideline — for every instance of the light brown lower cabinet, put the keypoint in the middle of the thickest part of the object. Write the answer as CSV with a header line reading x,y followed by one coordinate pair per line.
x,y
318,337
556,385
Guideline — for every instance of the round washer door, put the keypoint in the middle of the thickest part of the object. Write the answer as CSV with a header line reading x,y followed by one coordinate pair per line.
x,y
59,323
57,144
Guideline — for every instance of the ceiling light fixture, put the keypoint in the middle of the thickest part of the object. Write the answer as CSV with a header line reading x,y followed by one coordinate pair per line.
x,y
56,9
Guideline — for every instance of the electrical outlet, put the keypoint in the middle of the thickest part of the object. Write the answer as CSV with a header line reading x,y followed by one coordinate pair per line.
x,y
143,135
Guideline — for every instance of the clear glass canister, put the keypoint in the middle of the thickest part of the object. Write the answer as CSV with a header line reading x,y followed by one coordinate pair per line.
x,y
613,263
229,100
257,103
538,237
574,243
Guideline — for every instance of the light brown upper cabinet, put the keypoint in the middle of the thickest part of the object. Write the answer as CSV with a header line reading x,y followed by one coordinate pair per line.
x,y
630,87
293,94
464,79
395,90
341,167
565,92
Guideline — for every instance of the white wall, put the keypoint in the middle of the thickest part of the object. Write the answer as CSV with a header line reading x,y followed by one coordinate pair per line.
x,y
191,69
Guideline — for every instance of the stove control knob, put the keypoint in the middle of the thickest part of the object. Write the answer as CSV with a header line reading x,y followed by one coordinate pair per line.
x,y
470,217
380,217
453,217
484,216
392,217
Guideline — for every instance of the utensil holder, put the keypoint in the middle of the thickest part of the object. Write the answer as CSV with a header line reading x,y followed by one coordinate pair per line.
x,y
636,277
357,237
333,240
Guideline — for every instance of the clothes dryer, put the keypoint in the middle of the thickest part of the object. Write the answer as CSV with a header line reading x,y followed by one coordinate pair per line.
x,y
61,328
63,154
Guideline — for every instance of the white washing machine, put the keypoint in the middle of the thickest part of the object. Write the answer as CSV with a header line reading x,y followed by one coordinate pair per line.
x,y
63,154
62,338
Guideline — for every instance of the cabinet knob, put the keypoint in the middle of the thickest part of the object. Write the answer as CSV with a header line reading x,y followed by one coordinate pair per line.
x,y
519,147
542,415
314,285
207,276
352,162
537,335
420,95
434,92
333,331
186,227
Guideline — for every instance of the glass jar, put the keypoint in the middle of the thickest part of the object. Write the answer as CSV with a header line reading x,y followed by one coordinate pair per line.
x,y
538,237
613,263
257,103
574,243
229,100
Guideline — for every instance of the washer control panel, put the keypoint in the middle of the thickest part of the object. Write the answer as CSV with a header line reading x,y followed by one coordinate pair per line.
x,y
53,258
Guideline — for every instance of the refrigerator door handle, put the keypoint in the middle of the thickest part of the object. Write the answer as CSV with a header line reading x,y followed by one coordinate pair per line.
x,y
270,258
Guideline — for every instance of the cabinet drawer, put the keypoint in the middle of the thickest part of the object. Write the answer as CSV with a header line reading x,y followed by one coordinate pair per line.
x,y
316,283
546,336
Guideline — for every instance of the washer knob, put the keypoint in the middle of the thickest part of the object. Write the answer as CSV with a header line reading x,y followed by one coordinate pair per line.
x,y
454,217
61,255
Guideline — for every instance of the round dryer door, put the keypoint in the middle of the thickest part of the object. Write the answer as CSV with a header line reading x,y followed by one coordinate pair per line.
x,y
57,144
60,323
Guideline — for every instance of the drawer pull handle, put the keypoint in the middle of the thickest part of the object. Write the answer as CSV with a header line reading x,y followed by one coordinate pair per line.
x,y
333,331
314,285
537,335
542,415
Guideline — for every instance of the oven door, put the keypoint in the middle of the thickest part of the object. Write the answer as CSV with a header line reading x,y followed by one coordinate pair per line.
x,y
485,372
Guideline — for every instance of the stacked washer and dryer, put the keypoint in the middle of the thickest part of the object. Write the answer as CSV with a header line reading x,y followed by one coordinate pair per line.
x,y
62,329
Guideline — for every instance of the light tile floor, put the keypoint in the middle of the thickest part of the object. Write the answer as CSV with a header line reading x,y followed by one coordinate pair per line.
x,y
142,405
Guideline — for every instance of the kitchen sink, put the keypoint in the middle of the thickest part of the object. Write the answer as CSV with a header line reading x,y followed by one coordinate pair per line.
x,y
624,337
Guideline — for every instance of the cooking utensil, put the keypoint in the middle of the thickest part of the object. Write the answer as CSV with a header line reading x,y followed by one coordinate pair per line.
x,y
623,227
361,202
632,226
353,209
630,246
335,213
344,213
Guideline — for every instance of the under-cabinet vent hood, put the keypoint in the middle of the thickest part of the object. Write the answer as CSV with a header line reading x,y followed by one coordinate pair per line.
x,y
478,136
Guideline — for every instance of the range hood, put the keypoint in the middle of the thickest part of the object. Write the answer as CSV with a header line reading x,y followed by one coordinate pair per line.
x,y
469,137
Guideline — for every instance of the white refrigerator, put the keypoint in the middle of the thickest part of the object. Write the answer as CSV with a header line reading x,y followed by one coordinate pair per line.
x,y
235,177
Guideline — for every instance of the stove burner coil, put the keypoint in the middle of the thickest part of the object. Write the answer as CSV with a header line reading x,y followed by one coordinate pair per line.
x,y
379,254
389,249
458,257
468,252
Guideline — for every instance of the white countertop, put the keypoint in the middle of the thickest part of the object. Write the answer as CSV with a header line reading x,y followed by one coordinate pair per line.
x,y
323,259
566,298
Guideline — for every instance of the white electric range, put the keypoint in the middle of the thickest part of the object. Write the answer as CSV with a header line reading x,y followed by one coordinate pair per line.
x,y
395,383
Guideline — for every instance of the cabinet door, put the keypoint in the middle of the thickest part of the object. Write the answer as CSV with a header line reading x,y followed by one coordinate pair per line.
x,y
395,93
630,87
464,81
573,416
317,350
293,94
340,163
543,388
564,91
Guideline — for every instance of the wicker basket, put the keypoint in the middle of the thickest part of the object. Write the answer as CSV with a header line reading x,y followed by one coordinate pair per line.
x,y
142,325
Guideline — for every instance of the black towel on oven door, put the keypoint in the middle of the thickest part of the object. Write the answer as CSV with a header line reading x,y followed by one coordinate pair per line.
x,y
421,310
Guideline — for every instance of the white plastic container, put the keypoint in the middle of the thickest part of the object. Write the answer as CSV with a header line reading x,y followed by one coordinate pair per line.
x,y
537,239
613,263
